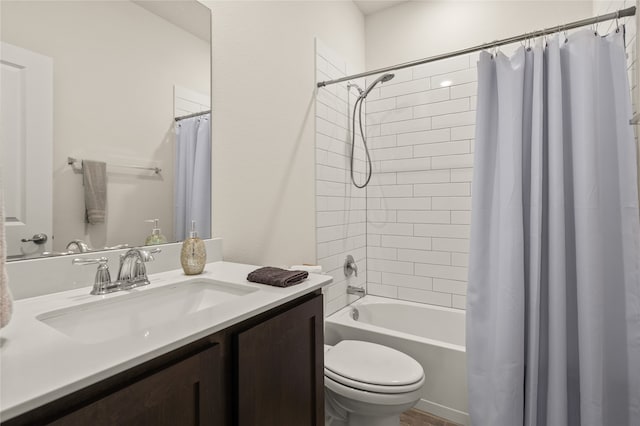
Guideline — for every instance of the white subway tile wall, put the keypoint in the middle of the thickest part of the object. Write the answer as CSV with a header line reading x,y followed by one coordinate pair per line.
x,y
340,207
420,199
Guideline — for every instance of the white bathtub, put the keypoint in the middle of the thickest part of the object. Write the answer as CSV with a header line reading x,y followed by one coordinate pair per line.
x,y
432,335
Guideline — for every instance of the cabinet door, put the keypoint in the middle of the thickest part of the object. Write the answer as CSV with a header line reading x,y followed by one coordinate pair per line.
x,y
281,369
182,394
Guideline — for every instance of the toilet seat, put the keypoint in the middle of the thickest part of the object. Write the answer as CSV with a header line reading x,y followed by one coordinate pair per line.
x,y
369,387
371,367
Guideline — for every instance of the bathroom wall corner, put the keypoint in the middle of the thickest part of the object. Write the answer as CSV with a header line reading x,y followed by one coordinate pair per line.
x,y
340,207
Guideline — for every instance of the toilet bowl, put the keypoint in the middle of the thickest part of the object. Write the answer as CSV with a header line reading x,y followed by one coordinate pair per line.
x,y
367,384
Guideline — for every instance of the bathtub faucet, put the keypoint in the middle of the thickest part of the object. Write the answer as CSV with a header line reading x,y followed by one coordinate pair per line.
x,y
358,291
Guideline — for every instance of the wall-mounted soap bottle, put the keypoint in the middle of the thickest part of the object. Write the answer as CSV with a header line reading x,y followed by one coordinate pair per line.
x,y
193,255
156,236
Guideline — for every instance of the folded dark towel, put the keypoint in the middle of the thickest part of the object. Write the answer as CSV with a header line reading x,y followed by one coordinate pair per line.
x,y
277,277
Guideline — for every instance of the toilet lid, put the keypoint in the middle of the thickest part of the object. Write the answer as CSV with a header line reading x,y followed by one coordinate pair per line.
x,y
370,363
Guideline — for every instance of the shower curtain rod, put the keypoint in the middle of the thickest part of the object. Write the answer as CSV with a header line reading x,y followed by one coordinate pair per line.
x,y
588,21
195,114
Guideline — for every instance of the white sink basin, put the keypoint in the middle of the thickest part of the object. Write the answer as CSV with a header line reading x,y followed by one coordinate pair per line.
x,y
138,310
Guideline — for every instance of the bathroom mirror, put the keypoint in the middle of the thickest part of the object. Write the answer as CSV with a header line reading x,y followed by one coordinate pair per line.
x,y
102,81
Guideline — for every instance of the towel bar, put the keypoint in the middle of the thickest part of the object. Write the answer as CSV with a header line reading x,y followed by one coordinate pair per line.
x,y
72,161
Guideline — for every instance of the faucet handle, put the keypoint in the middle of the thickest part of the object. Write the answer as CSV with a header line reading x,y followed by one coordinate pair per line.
x,y
350,266
78,246
147,255
82,261
102,283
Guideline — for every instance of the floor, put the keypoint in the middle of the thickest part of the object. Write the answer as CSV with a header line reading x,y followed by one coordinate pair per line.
x,y
415,417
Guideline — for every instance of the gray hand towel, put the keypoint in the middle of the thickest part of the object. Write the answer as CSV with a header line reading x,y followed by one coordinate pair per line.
x,y
277,277
95,190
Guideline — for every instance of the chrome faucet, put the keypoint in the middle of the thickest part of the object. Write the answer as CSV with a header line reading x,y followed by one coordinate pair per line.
x,y
357,291
350,266
77,246
133,272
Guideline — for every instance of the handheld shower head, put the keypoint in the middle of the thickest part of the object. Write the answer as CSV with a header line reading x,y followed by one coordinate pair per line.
x,y
382,79
350,85
357,106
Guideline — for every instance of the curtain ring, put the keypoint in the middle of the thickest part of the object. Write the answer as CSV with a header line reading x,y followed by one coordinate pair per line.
x,y
617,23
595,25
566,38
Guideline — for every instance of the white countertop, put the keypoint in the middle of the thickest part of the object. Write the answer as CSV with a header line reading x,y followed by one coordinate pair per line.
x,y
38,364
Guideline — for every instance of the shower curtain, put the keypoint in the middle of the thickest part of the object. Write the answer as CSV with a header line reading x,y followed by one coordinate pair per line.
x,y
192,189
553,320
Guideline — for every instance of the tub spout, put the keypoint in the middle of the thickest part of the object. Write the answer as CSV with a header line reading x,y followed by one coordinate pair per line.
x,y
358,291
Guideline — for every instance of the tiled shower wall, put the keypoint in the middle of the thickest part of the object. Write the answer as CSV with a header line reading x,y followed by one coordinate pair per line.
x,y
421,129
340,207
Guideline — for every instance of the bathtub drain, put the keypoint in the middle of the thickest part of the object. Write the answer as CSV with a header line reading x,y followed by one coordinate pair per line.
x,y
355,314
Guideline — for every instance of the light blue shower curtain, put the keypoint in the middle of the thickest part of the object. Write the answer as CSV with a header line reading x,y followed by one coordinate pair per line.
x,y
192,189
553,320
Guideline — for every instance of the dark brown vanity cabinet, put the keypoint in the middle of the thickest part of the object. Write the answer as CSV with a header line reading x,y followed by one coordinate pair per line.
x,y
265,371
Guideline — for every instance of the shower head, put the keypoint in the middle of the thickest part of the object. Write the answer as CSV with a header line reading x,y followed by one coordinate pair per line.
x,y
382,79
350,85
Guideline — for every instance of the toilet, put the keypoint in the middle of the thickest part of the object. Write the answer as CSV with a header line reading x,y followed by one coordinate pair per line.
x,y
367,384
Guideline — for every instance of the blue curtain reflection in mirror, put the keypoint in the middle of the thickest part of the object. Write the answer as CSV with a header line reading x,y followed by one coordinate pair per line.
x,y
193,176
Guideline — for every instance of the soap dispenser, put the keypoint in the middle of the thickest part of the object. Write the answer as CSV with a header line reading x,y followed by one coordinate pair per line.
x,y
156,236
193,255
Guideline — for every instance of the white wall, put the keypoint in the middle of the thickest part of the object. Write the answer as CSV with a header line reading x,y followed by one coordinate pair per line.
x,y
418,29
115,65
263,122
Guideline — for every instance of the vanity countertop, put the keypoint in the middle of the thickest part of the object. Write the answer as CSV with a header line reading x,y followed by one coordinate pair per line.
x,y
39,364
